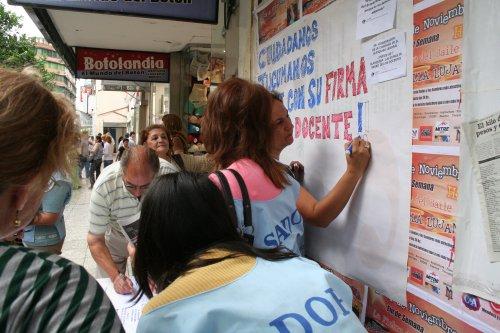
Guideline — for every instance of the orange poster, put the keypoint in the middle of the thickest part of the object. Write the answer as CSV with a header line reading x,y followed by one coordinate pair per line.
x,y
434,193
311,6
384,315
276,16
434,199
437,73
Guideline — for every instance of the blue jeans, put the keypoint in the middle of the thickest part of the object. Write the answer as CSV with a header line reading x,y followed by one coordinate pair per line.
x,y
83,164
107,162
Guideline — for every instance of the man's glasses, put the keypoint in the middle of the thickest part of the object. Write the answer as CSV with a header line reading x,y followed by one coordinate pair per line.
x,y
131,187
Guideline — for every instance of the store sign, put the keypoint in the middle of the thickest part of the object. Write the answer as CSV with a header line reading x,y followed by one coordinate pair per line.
x,y
122,65
205,11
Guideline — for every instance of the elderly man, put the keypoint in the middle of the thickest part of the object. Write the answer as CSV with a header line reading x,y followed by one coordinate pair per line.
x,y
115,211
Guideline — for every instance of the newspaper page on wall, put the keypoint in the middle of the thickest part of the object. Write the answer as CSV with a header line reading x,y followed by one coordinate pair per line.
x,y
474,272
483,137
319,67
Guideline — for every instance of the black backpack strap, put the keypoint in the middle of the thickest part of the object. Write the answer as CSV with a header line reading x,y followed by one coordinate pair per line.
x,y
179,161
247,208
228,196
289,171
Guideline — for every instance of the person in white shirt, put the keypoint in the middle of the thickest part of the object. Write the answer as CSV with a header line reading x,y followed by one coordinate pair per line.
x,y
114,211
132,140
107,152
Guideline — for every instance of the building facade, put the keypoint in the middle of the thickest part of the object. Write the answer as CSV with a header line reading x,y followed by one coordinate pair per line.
x,y
64,81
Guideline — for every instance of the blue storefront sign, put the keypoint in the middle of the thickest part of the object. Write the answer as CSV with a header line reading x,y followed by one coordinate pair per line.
x,y
203,11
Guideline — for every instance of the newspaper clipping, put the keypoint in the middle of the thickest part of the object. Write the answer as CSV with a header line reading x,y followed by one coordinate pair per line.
x,y
484,143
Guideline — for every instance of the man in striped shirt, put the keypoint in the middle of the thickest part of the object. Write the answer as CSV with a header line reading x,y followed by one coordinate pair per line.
x,y
42,292
115,211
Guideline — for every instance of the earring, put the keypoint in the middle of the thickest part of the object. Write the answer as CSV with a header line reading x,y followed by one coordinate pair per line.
x,y
17,221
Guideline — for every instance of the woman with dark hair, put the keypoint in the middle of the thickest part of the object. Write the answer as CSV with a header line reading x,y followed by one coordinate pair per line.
x,y
156,138
208,279
240,132
41,292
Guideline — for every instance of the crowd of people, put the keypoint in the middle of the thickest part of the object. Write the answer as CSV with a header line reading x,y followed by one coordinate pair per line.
x,y
215,241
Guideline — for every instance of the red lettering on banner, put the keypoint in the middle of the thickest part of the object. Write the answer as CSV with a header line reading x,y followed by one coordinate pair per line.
x,y
336,119
319,127
326,127
318,121
298,127
349,79
362,77
347,116
340,83
304,128
330,76
311,124
336,88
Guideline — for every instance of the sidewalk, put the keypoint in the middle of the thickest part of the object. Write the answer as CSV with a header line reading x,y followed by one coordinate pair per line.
x,y
77,216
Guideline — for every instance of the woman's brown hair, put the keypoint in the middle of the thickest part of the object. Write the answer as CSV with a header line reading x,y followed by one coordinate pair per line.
x,y
237,124
39,132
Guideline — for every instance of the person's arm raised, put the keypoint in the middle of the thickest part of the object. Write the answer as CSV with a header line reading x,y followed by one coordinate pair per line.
x,y
321,212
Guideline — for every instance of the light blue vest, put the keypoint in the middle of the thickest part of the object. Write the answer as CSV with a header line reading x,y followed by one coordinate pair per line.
x,y
277,221
289,296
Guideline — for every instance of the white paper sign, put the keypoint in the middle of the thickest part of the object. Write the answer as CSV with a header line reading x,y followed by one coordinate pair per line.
x,y
385,58
375,16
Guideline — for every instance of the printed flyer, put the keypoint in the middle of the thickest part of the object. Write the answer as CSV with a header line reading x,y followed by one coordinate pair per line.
x,y
437,73
385,315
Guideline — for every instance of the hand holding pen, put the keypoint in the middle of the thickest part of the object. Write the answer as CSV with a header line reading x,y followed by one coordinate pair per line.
x,y
358,154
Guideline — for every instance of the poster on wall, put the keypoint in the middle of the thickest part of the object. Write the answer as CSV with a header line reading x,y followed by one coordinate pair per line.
x,y
329,101
418,315
276,16
437,73
312,6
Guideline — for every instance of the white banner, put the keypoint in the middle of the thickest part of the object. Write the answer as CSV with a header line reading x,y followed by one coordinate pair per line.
x,y
318,65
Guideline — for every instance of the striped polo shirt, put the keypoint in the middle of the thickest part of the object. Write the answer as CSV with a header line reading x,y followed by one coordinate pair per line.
x,y
111,202
42,292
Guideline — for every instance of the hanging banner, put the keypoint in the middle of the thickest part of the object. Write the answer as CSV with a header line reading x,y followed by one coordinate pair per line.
x,y
319,68
122,65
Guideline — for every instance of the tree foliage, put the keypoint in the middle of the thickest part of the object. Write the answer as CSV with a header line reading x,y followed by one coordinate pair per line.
x,y
18,51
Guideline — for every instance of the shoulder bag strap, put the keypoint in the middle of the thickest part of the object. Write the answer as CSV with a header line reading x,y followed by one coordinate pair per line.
x,y
247,207
228,196
248,231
